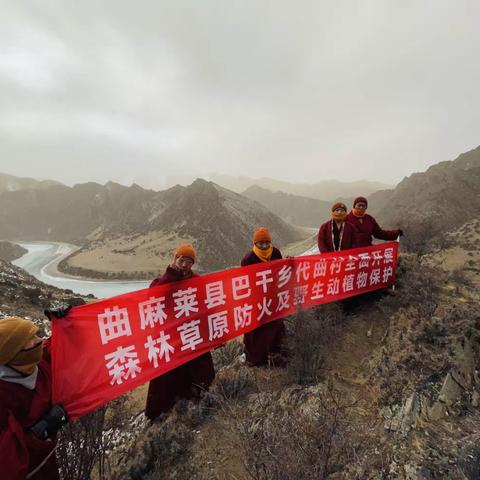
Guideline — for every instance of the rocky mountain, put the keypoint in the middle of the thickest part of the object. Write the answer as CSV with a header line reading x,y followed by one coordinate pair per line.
x,y
214,215
327,190
294,209
428,204
128,230
72,213
218,222
10,183
11,251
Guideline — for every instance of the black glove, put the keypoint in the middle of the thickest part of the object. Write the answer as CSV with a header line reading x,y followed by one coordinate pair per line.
x,y
50,423
400,232
58,312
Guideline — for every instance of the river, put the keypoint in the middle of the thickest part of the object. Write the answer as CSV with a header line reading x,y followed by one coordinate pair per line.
x,y
41,262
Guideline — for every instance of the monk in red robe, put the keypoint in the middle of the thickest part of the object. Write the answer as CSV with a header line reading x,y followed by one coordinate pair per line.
x,y
336,234
28,421
191,378
366,226
265,342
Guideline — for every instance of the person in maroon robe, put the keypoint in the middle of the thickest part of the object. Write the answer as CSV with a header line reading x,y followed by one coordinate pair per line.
x,y
28,421
265,343
192,378
366,226
336,234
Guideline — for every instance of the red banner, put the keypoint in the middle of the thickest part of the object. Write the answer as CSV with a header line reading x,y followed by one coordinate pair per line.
x,y
104,349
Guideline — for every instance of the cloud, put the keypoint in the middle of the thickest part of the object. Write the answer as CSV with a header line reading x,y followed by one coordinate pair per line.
x,y
302,91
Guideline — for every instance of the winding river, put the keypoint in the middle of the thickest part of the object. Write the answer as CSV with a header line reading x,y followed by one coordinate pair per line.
x,y
42,259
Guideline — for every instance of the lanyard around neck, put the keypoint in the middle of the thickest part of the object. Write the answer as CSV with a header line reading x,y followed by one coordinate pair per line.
x,y
340,239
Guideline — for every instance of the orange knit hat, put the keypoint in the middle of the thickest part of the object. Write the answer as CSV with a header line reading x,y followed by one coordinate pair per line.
x,y
339,205
186,250
262,235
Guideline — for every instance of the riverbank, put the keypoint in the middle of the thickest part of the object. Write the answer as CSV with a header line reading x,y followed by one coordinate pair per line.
x,y
42,259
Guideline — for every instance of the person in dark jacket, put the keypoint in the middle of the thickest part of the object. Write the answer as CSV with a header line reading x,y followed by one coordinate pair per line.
x,y
366,226
265,342
27,425
190,379
336,234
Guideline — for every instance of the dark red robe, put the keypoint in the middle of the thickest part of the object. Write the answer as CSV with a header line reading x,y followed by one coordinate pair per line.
x,y
367,227
268,338
20,408
325,242
187,380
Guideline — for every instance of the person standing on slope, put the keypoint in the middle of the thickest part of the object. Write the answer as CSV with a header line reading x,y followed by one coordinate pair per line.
x,y
28,420
191,378
366,226
336,234
265,342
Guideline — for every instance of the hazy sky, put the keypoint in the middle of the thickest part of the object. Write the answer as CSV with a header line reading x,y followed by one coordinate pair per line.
x,y
304,90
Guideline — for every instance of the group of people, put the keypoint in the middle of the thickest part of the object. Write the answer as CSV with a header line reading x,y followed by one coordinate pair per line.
x,y
351,230
28,420
261,345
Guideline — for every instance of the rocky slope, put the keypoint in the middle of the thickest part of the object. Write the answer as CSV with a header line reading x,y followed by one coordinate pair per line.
x,y
428,204
384,386
23,295
61,213
130,232
11,251
220,223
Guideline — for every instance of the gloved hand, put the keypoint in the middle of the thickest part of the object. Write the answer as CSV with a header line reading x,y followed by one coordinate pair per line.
x,y
58,312
50,423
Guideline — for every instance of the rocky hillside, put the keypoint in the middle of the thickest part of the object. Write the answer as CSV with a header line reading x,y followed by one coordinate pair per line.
x,y
444,197
219,222
70,214
23,295
327,190
294,209
384,386
11,251
131,228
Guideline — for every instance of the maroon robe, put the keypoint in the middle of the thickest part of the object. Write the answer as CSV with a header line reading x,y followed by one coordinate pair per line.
x,y
325,242
187,380
268,338
367,227
20,408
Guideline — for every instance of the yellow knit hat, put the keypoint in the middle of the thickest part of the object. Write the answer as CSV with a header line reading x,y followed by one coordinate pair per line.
x,y
15,332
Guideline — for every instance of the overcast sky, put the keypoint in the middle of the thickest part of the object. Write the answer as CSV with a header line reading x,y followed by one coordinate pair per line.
x,y
301,91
